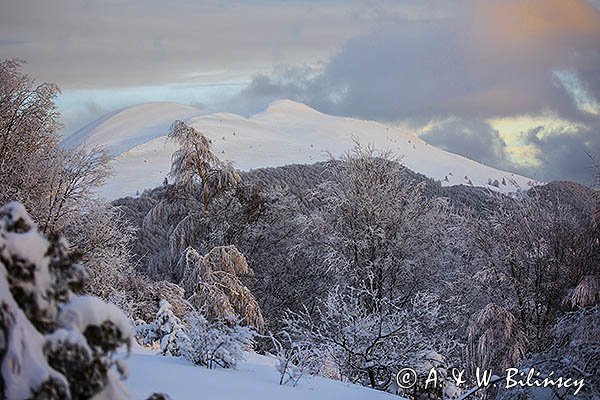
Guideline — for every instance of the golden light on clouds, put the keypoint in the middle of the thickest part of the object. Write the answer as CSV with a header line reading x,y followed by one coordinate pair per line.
x,y
513,128
524,156
514,132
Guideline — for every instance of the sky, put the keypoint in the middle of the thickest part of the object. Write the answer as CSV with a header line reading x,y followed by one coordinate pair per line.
x,y
512,84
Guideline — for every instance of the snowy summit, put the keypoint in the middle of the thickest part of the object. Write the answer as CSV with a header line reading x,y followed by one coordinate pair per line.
x,y
287,132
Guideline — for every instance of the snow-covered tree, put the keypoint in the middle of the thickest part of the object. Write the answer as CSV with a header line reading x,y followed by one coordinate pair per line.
x,y
171,224
586,293
167,329
215,285
526,262
574,353
104,245
376,225
28,135
54,184
180,217
195,167
173,294
218,342
70,181
296,358
535,261
496,339
171,331
370,340
53,344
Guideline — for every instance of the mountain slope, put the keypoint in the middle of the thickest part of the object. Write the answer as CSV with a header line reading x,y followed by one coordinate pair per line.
x,y
287,132
123,129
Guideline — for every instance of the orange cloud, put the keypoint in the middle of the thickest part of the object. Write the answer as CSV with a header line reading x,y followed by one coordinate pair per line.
x,y
548,27
524,22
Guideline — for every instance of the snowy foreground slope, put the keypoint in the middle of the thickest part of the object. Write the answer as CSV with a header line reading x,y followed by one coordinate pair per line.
x,y
286,133
255,378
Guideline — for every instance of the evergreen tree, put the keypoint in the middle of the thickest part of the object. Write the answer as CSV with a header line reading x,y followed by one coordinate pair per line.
x,y
54,344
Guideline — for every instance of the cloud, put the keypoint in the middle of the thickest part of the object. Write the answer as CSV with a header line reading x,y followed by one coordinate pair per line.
x,y
11,42
99,44
546,152
79,107
564,155
488,59
580,95
474,139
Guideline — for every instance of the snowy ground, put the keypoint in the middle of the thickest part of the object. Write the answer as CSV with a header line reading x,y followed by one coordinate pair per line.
x,y
255,378
287,132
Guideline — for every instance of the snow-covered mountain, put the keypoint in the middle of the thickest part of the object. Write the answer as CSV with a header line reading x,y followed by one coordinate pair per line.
x,y
124,129
286,132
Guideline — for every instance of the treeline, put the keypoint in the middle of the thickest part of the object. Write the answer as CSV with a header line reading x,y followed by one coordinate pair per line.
x,y
362,267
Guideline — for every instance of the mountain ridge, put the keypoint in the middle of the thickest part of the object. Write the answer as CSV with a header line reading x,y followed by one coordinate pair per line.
x,y
286,132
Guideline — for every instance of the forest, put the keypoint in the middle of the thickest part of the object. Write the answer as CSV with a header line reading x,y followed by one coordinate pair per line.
x,y
350,269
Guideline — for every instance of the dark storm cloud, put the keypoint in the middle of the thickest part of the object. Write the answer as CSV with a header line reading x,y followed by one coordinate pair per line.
x,y
566,156
561,154
473,139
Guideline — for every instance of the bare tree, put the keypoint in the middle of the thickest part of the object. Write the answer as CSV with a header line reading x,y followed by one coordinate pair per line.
x,y
369,345
105,248
527,261
28,135
28,116
376,226
71,181
52,182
